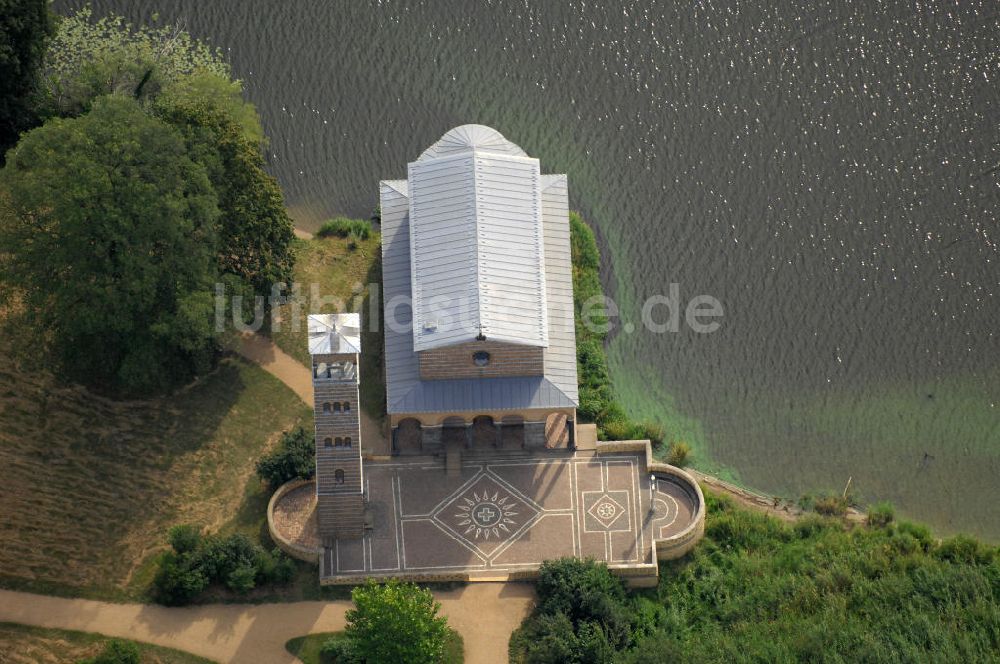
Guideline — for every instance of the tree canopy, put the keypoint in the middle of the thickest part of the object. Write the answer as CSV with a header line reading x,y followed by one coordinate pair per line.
x,y
141,219
396,622
109,235
25,28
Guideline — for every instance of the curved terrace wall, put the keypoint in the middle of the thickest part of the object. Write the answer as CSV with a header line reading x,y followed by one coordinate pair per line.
x,y
293,549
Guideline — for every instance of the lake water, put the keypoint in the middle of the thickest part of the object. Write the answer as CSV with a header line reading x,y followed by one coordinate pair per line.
x,y
828,170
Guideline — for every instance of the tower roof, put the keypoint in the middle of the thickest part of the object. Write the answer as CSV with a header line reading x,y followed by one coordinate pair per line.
x,y
334,333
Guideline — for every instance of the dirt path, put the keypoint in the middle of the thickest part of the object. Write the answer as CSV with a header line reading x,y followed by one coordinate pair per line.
x,y
483,613
264,352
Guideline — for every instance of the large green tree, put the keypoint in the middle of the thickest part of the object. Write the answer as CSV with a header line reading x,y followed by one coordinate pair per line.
x,y
396,622
108,237
25,27
188,85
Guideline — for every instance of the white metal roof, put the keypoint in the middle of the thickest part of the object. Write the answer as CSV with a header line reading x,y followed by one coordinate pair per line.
x,y
476,242
406,392
334,333
470,137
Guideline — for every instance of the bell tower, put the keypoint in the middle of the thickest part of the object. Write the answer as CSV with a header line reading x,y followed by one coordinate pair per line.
x,y
335,346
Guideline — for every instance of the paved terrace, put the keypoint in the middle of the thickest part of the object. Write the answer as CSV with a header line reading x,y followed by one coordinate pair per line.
x,y
499,518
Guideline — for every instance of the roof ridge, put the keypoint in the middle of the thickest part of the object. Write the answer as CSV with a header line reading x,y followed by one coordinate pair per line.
x,y
479,262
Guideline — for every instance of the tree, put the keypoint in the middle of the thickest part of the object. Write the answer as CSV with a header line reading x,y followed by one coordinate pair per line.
x,y
25,28
107,232
255,232
396,622
295,457
89,59
188,85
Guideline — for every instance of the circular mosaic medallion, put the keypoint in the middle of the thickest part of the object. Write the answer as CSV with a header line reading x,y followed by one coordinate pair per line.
x,y
486,515
606,510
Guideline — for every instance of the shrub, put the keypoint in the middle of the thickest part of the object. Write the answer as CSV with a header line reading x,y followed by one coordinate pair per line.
x,y
881,515
359,229
830,505
653,432
964,549
234,561
678,453
184,538
617,430
176,583
294,458
339,650
116,651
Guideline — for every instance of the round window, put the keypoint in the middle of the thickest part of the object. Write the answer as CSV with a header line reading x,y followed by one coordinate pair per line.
x,y
481,358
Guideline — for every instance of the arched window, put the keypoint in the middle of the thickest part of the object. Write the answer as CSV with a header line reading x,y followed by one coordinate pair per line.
x,y
339,442
336,407
347,442
326,407
328,442
338,476
347,406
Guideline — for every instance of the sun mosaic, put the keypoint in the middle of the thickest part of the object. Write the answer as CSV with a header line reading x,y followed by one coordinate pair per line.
x,y
485,513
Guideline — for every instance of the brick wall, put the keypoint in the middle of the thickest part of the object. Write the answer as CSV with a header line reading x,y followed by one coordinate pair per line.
x,y
505,360
340,508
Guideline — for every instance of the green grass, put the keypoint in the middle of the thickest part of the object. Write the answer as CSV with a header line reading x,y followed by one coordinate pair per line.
x,y
57,646
92,485
340,274
307,648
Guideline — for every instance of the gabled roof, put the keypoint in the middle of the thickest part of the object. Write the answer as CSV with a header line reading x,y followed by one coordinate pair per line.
x,y
406,392
334,333
477,242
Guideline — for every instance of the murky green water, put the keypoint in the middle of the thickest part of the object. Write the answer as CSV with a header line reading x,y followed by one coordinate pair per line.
x,y
826,169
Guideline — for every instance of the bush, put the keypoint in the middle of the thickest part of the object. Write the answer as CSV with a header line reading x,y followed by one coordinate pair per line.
x,y
294,458
617,430
116,651
966,550
653,432
339,650
678,453
176,583
827,504
881,515
358,229
185,538
582,615
196,562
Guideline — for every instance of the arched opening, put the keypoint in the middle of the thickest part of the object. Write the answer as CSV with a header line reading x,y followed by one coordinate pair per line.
x,y
512,432
336,407
328,442
484,433
326,407
347,407
338,476
453,432
347,442
339,442
409,436
556,431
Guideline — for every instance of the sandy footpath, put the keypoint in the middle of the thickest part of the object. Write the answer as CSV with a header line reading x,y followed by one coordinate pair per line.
x,y
483,613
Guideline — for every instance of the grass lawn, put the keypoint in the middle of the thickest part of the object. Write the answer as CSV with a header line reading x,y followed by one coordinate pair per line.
x,y
307,648
20,643
338,273
92,485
